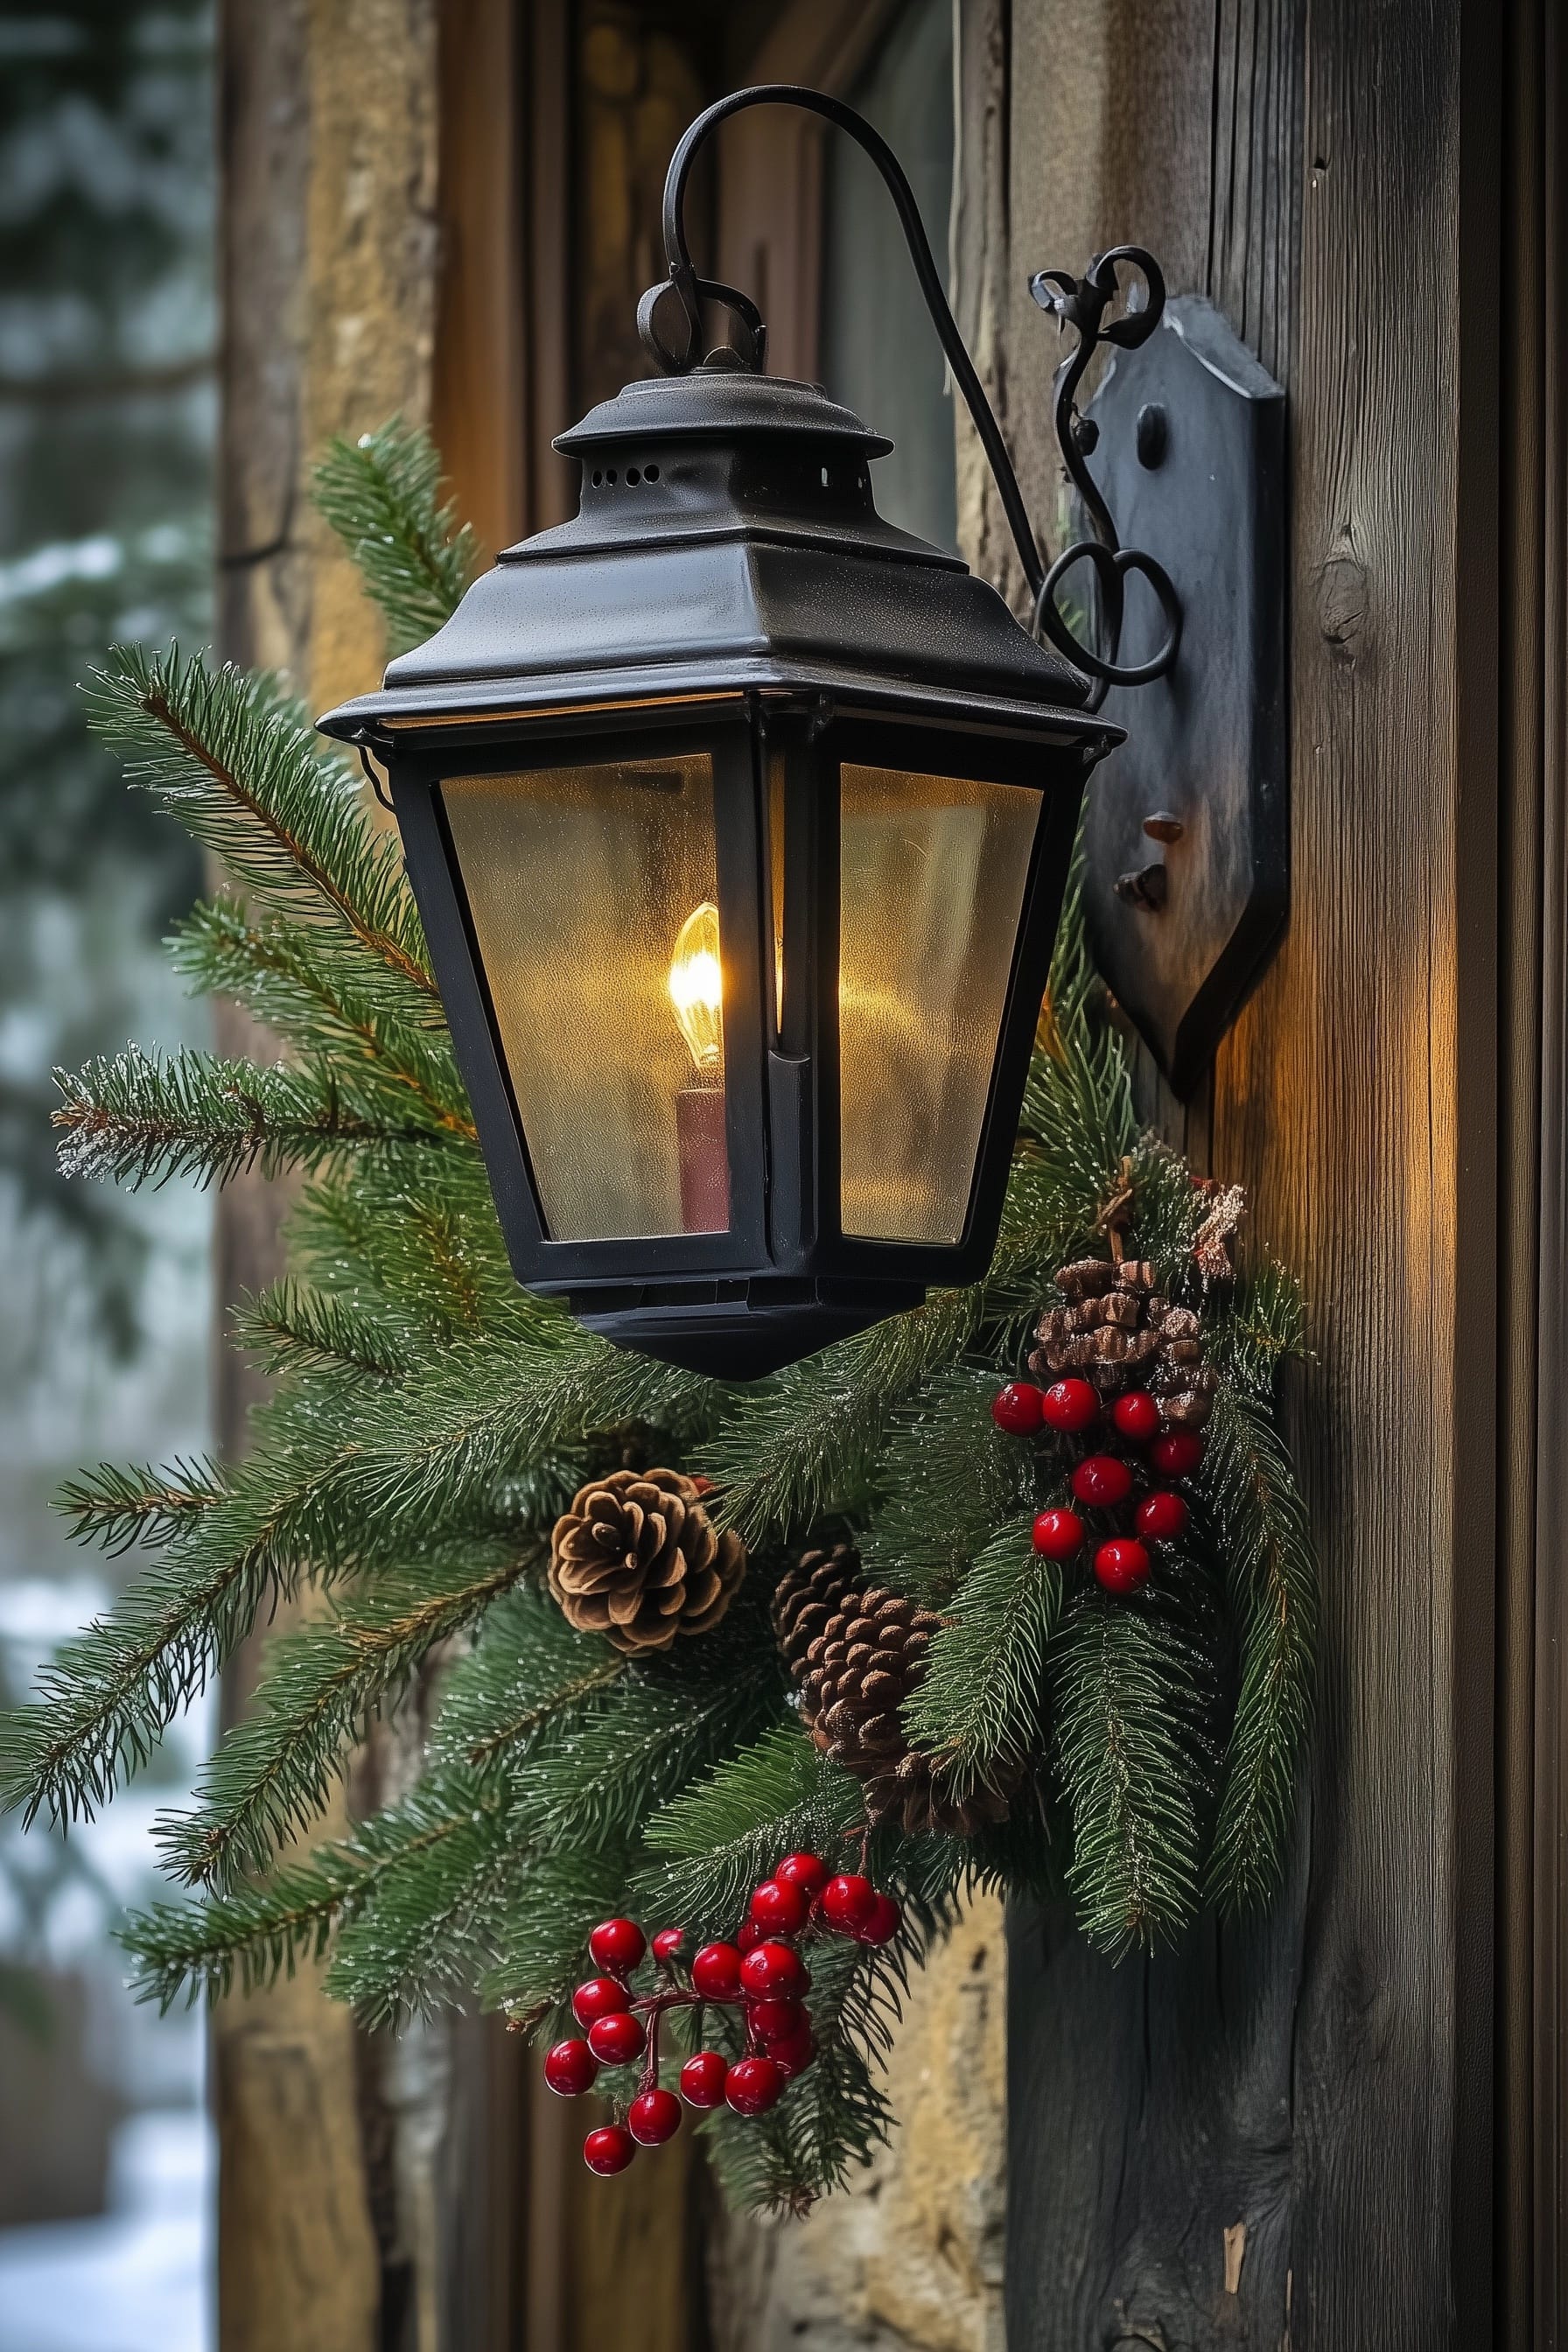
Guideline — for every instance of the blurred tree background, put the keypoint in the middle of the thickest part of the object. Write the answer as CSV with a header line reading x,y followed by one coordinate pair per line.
x,y
106,416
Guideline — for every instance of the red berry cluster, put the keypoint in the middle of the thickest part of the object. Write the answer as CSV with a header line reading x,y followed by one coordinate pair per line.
x,y
1106,1482
760,1972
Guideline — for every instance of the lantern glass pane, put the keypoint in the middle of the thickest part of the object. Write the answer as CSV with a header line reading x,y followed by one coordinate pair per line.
x,y
933,871
594,897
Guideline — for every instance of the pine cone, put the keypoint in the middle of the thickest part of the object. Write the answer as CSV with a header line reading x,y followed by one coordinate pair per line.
x,y
638,1558
1120,1331
856,1654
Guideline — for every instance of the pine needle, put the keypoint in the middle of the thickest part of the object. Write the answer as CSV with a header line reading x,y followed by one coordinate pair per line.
x,y
381,494
251,1937
117,1508
142,1118
230,756
979,1708
1274,1590
272,1773
1131,1770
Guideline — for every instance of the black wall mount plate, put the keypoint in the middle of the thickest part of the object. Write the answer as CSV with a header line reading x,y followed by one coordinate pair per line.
x,y
1187,828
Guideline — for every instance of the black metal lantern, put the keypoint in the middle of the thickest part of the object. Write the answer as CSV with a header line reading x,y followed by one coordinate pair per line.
x,y
739,822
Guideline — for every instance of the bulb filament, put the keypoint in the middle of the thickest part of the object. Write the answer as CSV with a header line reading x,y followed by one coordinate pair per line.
x,y
697,989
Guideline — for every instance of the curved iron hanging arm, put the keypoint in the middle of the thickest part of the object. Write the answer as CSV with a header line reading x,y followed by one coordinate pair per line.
x,y
690,289
1078,303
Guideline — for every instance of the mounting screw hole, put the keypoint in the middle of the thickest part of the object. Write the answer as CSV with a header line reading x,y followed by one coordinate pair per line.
x,y
650,473
633,477
597,477
1154,434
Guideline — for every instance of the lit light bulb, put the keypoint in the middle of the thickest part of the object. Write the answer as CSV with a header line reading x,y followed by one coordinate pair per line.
x,y
697,989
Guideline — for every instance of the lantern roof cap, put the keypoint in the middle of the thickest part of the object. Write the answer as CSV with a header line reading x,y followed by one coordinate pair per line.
x,y
746,557
720,403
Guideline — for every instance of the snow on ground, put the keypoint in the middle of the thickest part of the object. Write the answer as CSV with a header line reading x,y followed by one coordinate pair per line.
x,y
138,2278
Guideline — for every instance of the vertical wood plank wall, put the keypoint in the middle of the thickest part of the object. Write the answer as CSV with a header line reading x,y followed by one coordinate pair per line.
x,y
1329,174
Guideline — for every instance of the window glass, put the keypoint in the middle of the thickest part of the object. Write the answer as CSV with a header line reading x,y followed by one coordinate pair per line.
x,y
931,879
594,899
879,354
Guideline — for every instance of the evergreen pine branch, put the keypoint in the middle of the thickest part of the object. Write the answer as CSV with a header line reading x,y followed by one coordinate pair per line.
x,y
540,1933
949,1478
391,1465
272,1773
658,1729
1077,1102
292,1329
978,1708
239,766
418,1231
1123,1687
710,1844
294,978
107,1697
1167,1211
529,1675
142,1118
802,1445
429,1928
118,1508
382,496
252,1936
836,2115
1263,1328
1267,1545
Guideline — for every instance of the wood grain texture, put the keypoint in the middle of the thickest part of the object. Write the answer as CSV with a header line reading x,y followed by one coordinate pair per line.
x,y
1532,1680
1321,2080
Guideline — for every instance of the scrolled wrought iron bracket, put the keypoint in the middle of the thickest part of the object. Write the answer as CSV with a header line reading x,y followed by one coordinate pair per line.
x,y
1081,304
670,322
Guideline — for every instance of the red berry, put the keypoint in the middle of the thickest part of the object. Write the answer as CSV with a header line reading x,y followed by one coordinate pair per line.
x,y
570,2069
793,2057
703,2079
667,1943
1161,1517
773,1967
1069,1406
1177,1455
804,1870
654,2117
1137,1416
609,2149
748,1935
716,1972
848,1902
616,2040
1016,1409
617,1945
884,1923
753,2085
776,2017
1100,1480
600,1997
1058,1533
1123,1564
782,1910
